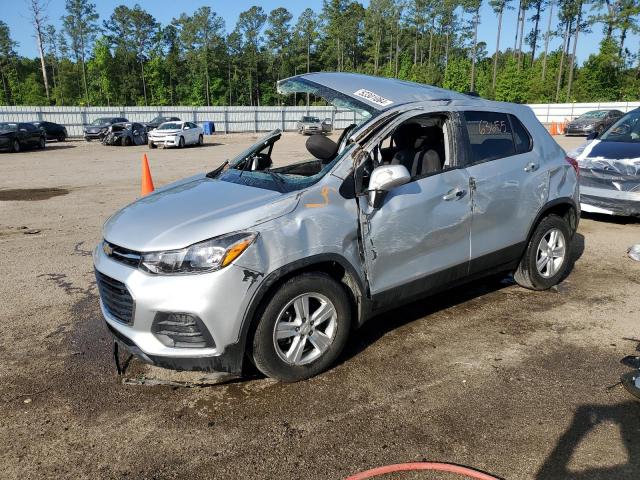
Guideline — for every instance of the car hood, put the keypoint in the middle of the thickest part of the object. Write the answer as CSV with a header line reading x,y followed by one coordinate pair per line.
x,y
615,158
164,133
363,93
193,210
96,129
581,122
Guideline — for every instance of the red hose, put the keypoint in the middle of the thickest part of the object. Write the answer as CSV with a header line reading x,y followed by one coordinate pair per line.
x,y
407,467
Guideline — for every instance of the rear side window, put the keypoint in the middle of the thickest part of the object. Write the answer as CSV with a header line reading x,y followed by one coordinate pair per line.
x,y
490,136
521,137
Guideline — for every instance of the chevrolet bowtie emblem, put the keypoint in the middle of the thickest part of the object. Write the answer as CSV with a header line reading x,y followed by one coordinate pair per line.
x,y
106,248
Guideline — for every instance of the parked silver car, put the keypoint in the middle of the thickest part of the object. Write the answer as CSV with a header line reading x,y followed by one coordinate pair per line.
x,y
278,265
309,125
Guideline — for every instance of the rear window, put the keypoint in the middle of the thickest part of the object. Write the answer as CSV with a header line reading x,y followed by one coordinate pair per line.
x,y
490,136
495,135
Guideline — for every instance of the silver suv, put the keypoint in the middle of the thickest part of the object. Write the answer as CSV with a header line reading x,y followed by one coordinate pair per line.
x,y
278,266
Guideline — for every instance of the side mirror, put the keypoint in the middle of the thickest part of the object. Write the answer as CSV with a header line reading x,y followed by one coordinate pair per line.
x,y
384,179
592,135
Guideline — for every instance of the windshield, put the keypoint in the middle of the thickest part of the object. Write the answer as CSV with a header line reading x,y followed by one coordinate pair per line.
x,y
627,129
8,127
159,120
170,126
255,167
310,119
101,121
594,114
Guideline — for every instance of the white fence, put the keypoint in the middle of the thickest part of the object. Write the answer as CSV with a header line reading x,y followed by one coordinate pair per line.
x,y
557,112
226,119
252,119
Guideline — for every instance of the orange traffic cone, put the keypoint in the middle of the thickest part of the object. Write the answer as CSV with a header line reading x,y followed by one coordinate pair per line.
x,y
552,128
147,182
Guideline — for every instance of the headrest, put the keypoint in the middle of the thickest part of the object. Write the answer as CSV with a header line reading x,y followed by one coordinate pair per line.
x,y
322,148
408,135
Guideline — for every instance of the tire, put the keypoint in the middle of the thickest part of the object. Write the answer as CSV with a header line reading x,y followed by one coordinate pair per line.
x,y
42,143
200,140
61,137
152,145
528,273
126,141
181,142
15,146
269,353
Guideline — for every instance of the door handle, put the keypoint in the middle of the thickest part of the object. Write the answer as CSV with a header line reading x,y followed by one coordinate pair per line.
x,y
454,194
531,167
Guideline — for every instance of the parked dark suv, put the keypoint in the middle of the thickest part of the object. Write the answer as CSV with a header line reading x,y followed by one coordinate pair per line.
x,y
53,131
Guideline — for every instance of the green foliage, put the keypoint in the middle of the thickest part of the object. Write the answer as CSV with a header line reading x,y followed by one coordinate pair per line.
x,y
134,60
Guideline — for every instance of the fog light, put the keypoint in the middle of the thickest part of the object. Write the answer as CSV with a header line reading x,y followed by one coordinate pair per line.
x,y
181,330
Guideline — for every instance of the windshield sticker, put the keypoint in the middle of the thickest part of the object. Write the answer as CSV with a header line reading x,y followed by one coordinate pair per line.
x,y
373,97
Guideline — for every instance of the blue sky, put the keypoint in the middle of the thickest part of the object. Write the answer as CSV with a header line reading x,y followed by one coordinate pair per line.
x,y
165,10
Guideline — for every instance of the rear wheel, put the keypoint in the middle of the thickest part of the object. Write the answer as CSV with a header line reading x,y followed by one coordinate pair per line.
x,y
546,259
61,137
42,143
126,141
200,140
303,328
15,146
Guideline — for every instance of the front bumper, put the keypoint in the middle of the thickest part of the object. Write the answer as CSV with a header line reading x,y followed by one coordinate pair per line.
x,y
94,136
164,141
570,130
610,193
220,299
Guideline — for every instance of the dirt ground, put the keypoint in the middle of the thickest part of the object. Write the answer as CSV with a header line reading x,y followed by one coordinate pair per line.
x,y
516,383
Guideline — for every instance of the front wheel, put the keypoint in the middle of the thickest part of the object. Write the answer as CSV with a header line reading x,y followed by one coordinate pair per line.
x,y
181,142
42,143
152,145
16,147
546,259
303,328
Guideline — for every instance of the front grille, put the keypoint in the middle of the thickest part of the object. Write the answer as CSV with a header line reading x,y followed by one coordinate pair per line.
x,y
115,297
121,254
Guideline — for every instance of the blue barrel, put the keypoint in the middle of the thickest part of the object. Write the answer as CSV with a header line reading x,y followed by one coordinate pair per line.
x,y
208,127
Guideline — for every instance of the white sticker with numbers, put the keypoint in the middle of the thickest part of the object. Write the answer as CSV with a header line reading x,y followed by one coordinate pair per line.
x,y
373,97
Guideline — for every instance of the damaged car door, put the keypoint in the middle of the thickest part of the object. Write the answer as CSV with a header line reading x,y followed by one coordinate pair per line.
x,y
416,238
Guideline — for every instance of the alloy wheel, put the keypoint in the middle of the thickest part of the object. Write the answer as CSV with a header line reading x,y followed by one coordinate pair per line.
x,y
305,329
551,253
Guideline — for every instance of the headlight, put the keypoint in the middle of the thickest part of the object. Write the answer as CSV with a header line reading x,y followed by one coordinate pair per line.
x,y
202,257
587,127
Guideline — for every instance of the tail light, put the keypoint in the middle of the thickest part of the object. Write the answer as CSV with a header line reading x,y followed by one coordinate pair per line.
x,y
574,163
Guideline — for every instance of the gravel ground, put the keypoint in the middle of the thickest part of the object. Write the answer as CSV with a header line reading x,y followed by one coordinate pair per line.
x,y
517,383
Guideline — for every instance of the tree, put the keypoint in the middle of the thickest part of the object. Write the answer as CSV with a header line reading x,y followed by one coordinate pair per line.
x,y
498,7
81,27
38,19
249,27
8,58
278,42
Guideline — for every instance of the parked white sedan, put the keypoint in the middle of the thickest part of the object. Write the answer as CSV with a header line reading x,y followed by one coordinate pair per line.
x,y
176,134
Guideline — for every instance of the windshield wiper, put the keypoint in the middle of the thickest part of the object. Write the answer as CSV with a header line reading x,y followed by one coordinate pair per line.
x,y
216,172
